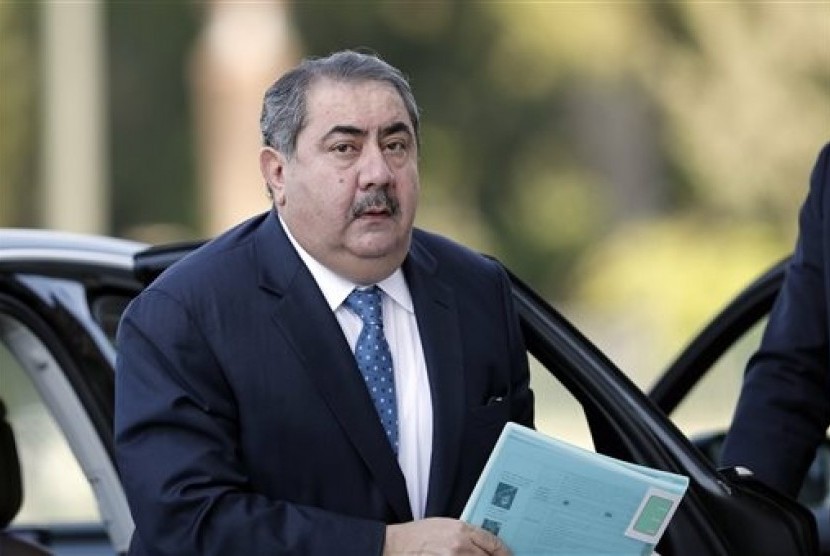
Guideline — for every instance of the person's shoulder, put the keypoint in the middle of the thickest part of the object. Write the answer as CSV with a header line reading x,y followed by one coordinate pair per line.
x,y
823,162
450,254
440,245
216,261
820,181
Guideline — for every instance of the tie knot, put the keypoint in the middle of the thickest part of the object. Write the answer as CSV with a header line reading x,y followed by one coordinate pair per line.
x,y
366,304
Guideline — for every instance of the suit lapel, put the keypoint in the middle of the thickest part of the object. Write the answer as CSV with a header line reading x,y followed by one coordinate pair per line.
x,y
439,327
304,318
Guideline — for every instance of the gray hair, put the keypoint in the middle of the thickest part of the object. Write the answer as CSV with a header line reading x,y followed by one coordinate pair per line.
x,y
284,106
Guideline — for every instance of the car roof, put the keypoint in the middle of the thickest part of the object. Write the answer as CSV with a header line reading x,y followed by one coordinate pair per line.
x,y
19,244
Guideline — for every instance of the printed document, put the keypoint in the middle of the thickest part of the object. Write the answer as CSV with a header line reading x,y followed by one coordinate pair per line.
x,y
543,496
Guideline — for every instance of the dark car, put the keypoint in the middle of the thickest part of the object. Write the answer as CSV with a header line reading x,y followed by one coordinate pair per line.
x,y
61,297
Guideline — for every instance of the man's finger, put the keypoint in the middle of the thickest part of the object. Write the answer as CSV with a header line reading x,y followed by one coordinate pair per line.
x,y
489,543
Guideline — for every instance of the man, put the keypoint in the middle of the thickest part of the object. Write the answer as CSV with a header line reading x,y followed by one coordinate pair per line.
x,y
784,407
245,424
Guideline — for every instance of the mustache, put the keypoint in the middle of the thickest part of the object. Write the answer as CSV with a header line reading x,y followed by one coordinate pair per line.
x,y
377,199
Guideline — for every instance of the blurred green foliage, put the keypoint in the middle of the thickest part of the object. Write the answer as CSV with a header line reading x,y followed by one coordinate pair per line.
x,y
644,157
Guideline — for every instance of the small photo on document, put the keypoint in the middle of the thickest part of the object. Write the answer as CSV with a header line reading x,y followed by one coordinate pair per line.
x,y
504,495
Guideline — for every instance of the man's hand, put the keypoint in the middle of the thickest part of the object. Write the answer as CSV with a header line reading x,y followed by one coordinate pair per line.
x,y
439,536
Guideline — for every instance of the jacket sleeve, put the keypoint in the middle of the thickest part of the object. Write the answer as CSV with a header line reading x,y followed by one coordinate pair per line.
x,y
177,449
784,406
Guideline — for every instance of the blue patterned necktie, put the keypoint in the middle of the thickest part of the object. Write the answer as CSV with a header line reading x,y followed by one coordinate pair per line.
x,y
374,358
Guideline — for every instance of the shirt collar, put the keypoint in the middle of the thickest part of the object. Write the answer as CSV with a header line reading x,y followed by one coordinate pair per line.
x,y
335,288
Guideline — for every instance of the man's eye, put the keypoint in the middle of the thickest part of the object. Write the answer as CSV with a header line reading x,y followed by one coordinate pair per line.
x,y
396,146
343,148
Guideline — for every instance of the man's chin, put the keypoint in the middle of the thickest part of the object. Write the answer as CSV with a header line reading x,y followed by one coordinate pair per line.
x,y
380,245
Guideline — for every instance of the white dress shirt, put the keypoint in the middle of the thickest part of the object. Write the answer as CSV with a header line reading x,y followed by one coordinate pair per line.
x,y
411,379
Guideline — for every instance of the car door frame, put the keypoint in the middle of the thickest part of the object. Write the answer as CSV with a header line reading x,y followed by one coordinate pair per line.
x,y
733,322
45,295
718,509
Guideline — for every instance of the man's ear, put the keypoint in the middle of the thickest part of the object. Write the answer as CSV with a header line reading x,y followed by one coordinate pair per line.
x,y
272,166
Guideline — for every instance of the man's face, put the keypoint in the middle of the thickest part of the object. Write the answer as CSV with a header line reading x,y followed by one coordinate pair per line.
x,y
349,192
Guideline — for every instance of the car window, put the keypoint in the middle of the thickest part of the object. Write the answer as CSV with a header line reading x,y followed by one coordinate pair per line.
x,y
558,413
107,309
708,407
49,498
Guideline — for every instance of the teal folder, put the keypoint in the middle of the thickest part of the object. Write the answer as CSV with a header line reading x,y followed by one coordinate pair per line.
x,y
543,496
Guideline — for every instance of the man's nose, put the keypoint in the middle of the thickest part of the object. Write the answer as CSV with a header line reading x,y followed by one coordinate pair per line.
x,y
375,169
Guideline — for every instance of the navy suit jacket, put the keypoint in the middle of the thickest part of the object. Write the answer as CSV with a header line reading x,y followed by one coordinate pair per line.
x,y
784,407
242,424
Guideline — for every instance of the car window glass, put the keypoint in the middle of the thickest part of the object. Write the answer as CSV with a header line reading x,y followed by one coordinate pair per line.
x,y
709,405
107,310
49,498
558,413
